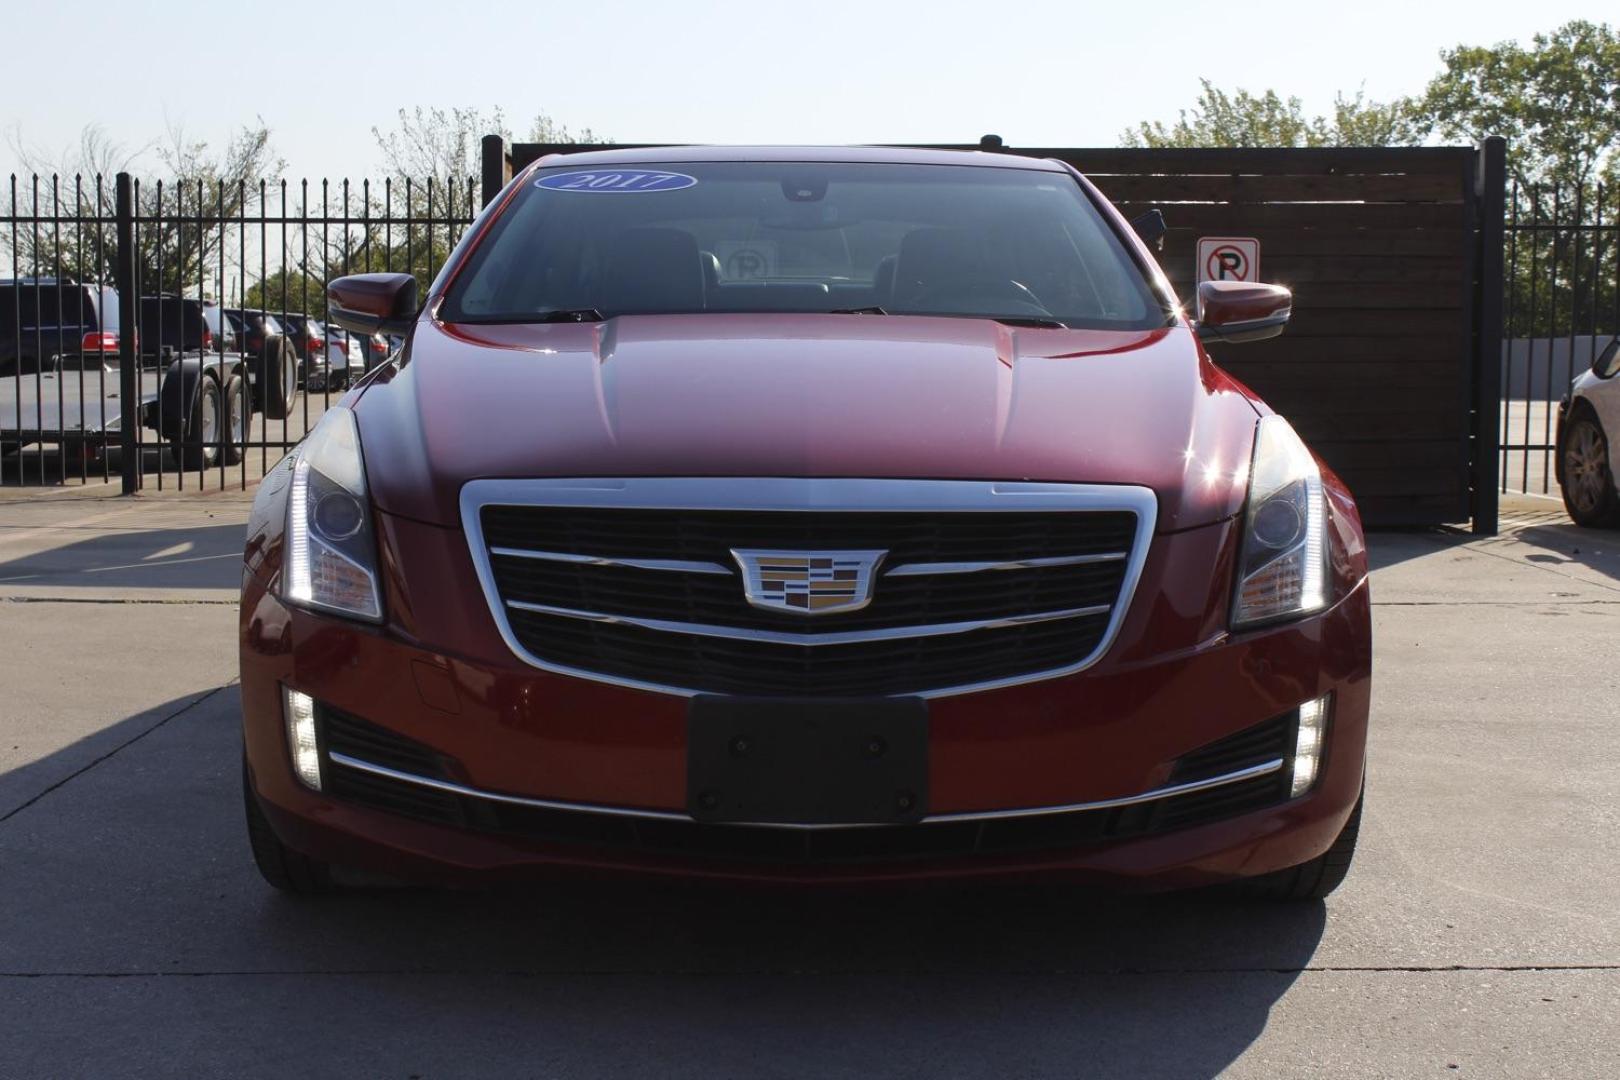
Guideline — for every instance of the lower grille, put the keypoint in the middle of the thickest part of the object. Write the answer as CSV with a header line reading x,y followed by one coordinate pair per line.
x,y
1263,742
680,837
342,733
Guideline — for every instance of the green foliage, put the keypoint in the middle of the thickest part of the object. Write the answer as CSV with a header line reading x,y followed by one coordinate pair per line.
x,y
1557,102
288,290
1239,118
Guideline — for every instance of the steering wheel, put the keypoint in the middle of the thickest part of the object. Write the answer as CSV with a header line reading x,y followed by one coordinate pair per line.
x,y
1002,295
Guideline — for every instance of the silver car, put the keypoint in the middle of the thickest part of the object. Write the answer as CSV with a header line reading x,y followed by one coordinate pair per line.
x,y
1589,441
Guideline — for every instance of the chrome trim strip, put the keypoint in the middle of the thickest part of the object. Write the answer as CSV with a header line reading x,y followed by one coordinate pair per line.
x,y
800,493
494,796
683,566
814,495
788,637
1252,772
911,569
1265,768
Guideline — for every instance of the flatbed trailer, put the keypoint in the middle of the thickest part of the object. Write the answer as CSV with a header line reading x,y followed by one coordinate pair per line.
x,y
199,403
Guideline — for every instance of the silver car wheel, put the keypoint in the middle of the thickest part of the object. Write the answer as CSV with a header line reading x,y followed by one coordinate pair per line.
x,y
1586,468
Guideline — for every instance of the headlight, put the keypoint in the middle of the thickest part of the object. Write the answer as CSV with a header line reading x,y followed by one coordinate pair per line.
x,y
331,549
1283,568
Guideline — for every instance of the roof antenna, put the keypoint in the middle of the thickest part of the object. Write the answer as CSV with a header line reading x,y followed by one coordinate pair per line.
x,y
990,144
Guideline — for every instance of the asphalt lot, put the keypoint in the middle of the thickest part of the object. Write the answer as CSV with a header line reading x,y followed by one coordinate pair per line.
x,y
1476,936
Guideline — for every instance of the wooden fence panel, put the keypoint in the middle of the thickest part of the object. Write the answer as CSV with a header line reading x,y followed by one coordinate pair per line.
x,y
1376,369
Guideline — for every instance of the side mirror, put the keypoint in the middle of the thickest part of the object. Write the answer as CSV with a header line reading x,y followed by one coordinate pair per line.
x,y
367,303
1151,227
1607,363
1239,311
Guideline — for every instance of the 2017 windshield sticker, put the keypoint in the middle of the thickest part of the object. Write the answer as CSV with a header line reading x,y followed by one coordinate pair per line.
x,y
618,182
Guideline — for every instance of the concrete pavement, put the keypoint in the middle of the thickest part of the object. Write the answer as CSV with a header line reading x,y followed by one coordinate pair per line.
x,y
1476,936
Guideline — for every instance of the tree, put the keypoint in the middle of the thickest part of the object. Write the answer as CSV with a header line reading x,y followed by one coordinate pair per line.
x,y
76,196
1358,121
287,290
445,143
1239,118
1557,102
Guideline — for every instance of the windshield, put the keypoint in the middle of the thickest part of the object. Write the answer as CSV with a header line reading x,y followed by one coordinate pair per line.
x,y
1018,244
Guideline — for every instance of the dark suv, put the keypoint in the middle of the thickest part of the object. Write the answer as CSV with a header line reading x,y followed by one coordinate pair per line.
x,y
175,324
56,320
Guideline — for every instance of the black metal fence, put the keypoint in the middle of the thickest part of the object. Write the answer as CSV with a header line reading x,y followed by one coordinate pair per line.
x,y
174,334
1562,297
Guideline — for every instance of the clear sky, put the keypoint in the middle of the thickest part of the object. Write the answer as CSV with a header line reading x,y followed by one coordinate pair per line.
x,y
321,74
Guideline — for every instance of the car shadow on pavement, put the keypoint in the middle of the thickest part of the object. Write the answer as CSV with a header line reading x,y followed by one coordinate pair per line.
x,y
1596,549
635,978
994,981
1389,547
206,557
1559,543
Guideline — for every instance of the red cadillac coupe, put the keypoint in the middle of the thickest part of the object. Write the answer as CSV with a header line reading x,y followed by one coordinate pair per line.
x,y
804,515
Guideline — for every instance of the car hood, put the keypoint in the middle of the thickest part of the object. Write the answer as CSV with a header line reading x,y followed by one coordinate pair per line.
x,y
806,396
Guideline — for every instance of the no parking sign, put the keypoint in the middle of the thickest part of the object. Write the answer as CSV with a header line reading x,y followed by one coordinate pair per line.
x,y
1228,258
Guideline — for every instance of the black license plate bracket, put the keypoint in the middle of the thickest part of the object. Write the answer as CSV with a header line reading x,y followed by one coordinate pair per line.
x,y
821,762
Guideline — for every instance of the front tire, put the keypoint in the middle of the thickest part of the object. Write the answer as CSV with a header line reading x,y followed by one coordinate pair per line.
x,y
1315,879
282,867
1588,483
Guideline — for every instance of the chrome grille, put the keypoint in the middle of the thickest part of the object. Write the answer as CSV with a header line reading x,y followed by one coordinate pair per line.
x,y
633,581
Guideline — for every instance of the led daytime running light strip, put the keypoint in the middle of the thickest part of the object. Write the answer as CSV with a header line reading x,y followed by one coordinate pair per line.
x,y
1308,745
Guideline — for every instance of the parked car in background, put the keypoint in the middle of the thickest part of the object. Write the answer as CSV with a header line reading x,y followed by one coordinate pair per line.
x,y
933,545
329,357
1589,442
184,324
272,360
44,319
378,348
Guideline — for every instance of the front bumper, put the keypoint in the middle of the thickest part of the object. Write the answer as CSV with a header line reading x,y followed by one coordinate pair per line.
x,y
1107,735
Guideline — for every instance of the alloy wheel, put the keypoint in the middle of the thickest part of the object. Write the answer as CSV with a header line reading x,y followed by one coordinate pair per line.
x,y
1586,468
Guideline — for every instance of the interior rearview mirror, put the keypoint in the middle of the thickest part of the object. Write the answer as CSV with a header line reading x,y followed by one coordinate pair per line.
x,y
368,303
1151,227
1239,311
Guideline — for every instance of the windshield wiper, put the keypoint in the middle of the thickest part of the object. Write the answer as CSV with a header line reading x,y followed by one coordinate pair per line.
x,y
584,314
1038,321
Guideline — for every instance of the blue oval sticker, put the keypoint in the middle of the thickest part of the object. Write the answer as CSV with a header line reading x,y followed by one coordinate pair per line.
x,y
625,180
